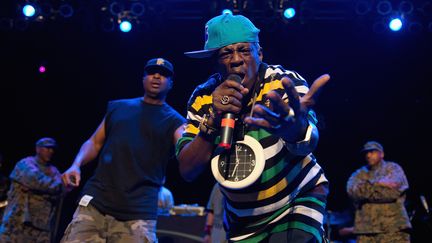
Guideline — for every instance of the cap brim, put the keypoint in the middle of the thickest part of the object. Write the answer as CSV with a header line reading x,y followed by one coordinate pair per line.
x,y
201,53
146,68
370,149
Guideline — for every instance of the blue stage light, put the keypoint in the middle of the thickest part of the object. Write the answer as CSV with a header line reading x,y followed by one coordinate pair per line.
x,y
125,26
28,10
289,13
395,24
227,11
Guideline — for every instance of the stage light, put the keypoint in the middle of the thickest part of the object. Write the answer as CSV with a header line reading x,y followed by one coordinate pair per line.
x,y
406,7
137,9
384,7
66,10
28,10
227,11
362,7
125,26
116,8
42,69
395,24
289,13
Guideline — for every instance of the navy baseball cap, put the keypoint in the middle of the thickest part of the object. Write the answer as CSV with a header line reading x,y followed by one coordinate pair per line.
x,y
161,63
46,142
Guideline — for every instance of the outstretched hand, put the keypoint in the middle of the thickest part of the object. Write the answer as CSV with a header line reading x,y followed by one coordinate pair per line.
x,y
288,120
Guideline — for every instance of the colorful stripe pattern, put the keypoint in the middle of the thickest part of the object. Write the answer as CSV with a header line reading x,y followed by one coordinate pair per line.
x,y
291,192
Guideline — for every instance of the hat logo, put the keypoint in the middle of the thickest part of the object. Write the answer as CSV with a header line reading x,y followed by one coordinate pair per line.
x,y
160,61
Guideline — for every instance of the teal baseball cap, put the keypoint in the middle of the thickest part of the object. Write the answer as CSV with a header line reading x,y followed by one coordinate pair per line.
x,y
224,30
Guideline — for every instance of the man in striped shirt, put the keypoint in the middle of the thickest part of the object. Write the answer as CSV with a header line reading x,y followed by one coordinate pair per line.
x,y
273,106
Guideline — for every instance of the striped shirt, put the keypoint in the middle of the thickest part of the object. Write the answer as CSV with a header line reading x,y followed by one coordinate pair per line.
x,y
292,190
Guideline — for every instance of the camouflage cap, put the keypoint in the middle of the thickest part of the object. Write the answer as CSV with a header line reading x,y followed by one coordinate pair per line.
x,y
46,142
372,145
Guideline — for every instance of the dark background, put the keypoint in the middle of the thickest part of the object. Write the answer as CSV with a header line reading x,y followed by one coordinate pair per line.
x,y
379,90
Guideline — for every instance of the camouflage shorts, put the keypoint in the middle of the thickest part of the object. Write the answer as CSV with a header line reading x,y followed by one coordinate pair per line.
x,y
399,237
18,232
89,225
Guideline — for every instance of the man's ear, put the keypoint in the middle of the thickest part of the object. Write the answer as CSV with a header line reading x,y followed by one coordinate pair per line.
x,y
171,83
260,53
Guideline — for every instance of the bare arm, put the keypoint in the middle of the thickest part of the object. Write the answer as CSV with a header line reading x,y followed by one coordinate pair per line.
x,y
88,152
194,157
208,227
178,133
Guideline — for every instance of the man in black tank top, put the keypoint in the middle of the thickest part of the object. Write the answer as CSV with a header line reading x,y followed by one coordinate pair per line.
x,y
134,143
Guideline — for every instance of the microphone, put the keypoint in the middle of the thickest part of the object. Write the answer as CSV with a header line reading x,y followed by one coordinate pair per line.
x,y
425,205
228,122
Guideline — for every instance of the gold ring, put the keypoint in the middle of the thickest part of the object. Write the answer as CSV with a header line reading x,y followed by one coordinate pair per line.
x,y
225,100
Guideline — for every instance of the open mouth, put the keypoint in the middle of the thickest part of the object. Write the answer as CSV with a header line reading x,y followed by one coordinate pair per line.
x,y
155,84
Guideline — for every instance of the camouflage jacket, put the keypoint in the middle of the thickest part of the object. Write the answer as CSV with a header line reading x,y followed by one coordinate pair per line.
x,y
379,208
33,195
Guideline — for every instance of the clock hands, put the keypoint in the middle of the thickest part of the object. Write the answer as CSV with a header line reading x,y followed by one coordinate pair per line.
x,y
237,160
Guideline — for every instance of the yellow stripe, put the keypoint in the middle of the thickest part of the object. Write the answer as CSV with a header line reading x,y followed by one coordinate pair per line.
x,y
284,182
273,190
275,84
202,100
191,129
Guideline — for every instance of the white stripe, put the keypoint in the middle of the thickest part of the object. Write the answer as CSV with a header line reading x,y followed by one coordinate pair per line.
x,y
312,173
277,205
301,89
274,149
271,71
299,76
241,237
193,116
321,179
298,209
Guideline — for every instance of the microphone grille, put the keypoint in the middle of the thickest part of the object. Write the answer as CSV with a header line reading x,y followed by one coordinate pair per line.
x,y
234,77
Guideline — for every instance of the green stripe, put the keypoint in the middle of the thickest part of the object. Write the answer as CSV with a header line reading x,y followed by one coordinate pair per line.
x,y
276,214
180,143
259,134
310,199
255,239
271,172
184,140
285,227
300,226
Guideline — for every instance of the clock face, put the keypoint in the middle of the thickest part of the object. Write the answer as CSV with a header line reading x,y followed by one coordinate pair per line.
x,y
238,163
239,166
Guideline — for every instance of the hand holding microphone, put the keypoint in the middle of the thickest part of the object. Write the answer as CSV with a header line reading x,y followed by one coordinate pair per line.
x,y
227,102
